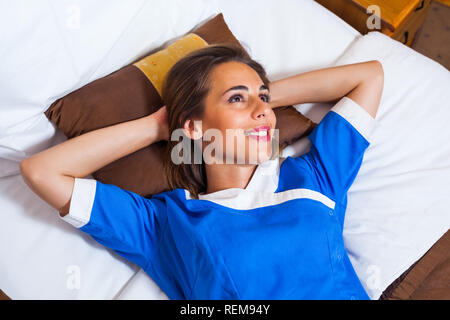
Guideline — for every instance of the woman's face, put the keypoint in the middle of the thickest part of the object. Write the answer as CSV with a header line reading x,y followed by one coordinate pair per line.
x,y
238,117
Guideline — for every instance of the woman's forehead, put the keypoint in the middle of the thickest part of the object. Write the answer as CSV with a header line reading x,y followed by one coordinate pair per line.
x,y
230,74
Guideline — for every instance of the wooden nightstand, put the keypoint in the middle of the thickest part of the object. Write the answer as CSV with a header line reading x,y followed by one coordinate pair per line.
x,y
399,19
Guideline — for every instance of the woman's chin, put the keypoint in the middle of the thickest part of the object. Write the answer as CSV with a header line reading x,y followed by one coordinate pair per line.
x,y
262,157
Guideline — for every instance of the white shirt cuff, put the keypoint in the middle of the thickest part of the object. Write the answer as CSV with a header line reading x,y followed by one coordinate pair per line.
x,y
81,203
357,116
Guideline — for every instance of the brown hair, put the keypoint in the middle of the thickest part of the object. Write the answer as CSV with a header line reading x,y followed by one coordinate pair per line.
x,y
184,90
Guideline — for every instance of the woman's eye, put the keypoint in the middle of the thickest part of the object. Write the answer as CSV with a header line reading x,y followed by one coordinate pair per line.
x,y
266,97
233,97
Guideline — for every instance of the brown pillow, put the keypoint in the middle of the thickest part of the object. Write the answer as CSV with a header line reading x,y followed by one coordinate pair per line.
x,y
133,92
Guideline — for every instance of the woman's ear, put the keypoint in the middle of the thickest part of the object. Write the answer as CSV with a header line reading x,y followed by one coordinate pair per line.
x,y
193,129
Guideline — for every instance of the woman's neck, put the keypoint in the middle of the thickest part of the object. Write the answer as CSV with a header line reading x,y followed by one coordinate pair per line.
x,y
225,176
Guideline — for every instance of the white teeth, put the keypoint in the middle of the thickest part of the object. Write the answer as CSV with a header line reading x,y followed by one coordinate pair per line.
x,y
257,133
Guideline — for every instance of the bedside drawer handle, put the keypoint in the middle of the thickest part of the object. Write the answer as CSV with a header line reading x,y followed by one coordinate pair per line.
x,y
406,37
420,6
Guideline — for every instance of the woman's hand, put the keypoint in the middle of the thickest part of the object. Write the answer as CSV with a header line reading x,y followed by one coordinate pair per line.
x,y
162,123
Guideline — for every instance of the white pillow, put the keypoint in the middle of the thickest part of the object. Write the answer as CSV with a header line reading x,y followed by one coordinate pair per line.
x,y
56,47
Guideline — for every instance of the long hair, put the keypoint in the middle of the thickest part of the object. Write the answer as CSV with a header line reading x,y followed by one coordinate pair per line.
x,y
184,90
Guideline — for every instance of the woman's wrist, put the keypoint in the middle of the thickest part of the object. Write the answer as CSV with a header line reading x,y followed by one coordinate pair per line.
x,y
151,129
157,125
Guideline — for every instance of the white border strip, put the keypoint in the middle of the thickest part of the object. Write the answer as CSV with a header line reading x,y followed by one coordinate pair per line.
x,y
83,196
240,199
357,116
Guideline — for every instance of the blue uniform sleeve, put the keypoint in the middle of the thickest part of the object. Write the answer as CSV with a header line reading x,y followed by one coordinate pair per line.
x,y
119,219
338,144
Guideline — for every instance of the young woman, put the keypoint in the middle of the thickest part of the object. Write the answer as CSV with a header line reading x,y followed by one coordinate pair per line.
x,y
229,228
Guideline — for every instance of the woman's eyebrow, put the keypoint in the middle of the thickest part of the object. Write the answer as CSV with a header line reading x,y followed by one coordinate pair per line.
x,y
242,87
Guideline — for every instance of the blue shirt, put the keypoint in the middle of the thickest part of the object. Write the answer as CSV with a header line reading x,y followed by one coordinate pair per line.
x,y
279,238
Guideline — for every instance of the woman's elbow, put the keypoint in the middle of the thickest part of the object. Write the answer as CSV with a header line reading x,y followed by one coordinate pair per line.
x,y
378,71
379,76
27,171
376,82
55,189
31,175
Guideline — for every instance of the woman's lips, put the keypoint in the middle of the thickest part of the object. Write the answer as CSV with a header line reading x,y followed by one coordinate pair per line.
x,y
261,133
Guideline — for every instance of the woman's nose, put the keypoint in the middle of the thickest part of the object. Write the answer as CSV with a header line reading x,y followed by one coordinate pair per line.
x,y
261,110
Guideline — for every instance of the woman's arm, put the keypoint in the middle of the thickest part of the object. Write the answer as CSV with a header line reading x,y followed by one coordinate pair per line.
x,y
362,82
50,173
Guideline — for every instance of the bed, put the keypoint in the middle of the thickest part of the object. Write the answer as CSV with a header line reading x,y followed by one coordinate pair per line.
x,y
397,206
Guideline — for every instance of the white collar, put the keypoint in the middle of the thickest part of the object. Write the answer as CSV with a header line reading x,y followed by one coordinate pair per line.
x,y
260,192
264,179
